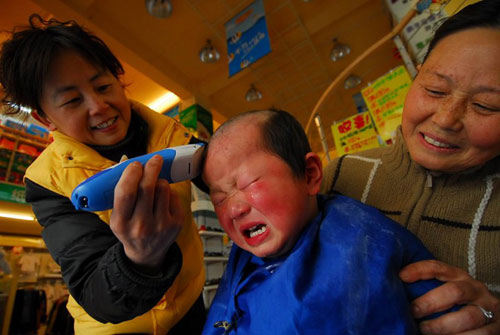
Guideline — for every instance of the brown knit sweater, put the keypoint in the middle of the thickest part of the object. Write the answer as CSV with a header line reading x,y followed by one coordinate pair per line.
x,y
457,216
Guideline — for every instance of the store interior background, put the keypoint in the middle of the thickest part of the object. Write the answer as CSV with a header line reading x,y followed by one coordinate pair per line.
x,y
162,54
161,58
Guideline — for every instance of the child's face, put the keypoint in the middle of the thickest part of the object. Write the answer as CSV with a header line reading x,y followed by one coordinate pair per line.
x,y
84,102
260,204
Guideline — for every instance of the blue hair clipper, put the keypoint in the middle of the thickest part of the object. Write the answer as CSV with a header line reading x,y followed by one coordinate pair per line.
x,y
97,192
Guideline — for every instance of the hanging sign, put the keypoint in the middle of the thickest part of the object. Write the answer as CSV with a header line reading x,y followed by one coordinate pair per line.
x,y
247,37
421,28
356,133
385,100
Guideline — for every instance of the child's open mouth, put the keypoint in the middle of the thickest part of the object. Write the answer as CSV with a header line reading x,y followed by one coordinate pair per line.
x,y
256,234
256,230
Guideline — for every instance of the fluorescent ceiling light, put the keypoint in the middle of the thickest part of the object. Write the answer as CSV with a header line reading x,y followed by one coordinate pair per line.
x,y
164,102
17,216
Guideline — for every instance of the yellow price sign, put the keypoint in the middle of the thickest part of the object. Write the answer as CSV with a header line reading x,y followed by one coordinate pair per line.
x,y
385,100
356,133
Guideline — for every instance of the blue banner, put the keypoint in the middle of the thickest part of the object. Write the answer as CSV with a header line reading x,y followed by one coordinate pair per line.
x,y
247,37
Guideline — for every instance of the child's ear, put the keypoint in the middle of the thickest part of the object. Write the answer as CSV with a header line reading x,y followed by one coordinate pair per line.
x,y
43,120
314,173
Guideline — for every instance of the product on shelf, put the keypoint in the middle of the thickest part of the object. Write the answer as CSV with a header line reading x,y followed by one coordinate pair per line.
x,y
18,150
35,130
5,143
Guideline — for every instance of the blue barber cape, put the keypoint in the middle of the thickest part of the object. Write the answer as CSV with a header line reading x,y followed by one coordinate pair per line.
x,y
341,277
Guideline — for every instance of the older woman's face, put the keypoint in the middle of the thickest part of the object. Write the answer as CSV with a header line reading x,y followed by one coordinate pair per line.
x,y
451,118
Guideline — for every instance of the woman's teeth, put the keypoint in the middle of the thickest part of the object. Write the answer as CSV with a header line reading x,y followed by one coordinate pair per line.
x,y
436,143
257,231
105,124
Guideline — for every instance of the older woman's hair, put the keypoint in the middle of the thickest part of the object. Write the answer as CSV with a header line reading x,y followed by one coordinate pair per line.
x,y
483,14
282,135
26,57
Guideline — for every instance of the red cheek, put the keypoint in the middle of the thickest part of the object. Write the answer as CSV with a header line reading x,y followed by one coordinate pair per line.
x,y
259,194
268,199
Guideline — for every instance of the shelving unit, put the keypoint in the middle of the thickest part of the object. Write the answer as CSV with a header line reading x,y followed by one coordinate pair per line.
x,y
216,243
18,150
214,265
211,233
35,276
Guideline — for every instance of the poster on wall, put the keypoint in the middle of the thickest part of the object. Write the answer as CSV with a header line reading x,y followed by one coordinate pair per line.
x,y
356,133
419,31
385,100
247,37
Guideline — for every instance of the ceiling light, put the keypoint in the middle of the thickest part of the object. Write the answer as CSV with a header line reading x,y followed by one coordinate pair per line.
x,y
339,50
164,102
159,8
209,54
352,81
253,94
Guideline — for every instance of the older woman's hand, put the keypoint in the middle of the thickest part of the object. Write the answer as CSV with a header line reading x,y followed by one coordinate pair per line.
x,y
459,289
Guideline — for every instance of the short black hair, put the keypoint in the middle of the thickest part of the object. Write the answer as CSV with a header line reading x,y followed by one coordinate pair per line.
x,y
26,57
282,135
482,14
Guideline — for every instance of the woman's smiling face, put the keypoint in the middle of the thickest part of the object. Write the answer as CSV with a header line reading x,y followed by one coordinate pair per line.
x,y
84,102
451,119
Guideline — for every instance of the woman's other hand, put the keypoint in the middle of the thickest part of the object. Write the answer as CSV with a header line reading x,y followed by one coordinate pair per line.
x,y
459,288
146,216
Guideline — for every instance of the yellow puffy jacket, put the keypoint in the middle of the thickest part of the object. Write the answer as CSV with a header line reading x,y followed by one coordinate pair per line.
x,y
65,163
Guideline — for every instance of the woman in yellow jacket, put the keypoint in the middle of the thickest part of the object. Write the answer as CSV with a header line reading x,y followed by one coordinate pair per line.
x,y
139,267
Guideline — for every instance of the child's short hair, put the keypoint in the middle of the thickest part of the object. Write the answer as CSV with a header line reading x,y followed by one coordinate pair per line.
x,y
282,135
26,57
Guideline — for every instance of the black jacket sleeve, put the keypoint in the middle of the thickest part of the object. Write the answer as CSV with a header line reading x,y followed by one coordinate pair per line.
x,y
93,263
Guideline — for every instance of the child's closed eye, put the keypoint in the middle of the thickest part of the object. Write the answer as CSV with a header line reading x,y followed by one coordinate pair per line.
x,y
217,198
247,183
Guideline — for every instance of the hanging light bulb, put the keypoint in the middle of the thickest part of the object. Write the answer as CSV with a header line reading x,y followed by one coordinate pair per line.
x,y
352,81
159,8
253,94
339,50
208,54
